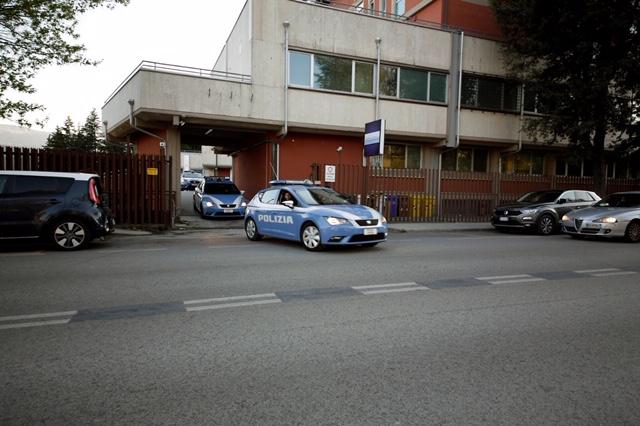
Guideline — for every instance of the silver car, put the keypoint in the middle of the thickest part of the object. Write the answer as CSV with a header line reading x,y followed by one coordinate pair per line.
x,y
617,215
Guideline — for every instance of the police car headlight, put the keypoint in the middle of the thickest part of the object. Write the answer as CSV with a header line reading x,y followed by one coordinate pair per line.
x,y
336,220
383,219
208,204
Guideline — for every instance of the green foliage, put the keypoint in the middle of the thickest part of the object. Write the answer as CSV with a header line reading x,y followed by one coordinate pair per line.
x,y
33,34
580,58
86,138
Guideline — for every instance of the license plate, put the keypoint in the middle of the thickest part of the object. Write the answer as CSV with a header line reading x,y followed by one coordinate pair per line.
x,y
370,231
228,210
591,226
504,219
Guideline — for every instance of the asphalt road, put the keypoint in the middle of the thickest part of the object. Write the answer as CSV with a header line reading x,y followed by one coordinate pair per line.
x,y
209,328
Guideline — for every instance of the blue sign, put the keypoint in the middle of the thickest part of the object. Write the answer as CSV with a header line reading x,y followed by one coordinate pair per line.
x,y
374,138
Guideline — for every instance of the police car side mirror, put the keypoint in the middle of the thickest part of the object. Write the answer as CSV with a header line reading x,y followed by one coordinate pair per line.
x,y
288,203
562,201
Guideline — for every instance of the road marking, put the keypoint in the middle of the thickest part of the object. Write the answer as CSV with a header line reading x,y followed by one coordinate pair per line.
x,y
109,251
34,324
225,299
389,288
395,290
365,287
34,316
511,279
611,274
591,271
233,305
501,277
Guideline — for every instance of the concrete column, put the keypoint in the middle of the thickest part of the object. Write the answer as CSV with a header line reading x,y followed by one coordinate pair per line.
x,y
173,151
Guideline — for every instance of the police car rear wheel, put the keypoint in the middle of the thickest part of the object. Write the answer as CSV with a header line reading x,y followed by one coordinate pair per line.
x,y
311,238
251,230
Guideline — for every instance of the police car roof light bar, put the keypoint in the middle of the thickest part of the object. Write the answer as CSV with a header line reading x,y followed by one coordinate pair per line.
x,y
306,182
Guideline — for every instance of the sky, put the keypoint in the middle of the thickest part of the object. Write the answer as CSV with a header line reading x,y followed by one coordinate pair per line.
x,y
179,32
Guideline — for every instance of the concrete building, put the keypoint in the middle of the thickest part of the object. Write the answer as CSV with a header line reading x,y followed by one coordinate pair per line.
x,y
297,81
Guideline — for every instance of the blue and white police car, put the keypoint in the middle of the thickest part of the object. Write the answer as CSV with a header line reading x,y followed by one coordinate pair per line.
x,y
315,215
218,197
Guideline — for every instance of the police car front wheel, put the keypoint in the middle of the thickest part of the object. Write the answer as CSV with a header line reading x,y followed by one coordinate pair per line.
x,y
311,237
251,230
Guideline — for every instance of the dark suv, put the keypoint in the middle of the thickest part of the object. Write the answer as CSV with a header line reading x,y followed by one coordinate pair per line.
x,y
65,209
541,210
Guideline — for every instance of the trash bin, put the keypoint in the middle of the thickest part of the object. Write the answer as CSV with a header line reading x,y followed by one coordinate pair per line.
x,y
392,202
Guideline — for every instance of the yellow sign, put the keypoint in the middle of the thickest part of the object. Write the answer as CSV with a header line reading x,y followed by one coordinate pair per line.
x,y
152,171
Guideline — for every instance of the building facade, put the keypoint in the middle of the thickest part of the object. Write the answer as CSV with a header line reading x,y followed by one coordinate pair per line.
x,y
297,81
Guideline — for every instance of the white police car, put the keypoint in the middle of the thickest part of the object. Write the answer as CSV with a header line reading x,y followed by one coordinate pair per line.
x,y
315,215
218,197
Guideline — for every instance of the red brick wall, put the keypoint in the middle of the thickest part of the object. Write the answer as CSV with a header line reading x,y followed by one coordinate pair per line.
x,y
250,169
299,151
432,13
472,17
148,145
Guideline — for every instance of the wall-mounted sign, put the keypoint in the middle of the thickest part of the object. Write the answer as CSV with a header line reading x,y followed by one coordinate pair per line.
x,y
374,138
329,173
152,171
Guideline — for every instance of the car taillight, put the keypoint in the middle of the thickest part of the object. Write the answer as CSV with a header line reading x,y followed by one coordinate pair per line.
x,y
93,192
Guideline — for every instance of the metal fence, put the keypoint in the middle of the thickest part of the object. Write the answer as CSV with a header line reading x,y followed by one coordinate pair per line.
x,y
138,186
429,195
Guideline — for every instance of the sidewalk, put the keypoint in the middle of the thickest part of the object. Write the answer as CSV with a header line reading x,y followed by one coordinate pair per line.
x,y
194,223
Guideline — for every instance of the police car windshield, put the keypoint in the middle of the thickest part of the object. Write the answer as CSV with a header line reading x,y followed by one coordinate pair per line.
x,y
321,196
221,188
192,174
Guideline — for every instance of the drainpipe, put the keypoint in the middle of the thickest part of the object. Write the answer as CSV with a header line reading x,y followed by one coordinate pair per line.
x,y
132,123
378,40
285,128
459,90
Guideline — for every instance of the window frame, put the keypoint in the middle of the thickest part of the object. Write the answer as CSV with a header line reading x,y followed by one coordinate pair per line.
x,y
473,159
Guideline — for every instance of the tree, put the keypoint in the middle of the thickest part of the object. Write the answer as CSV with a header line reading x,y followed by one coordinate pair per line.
x,y
64,137
86,138
579,59
34,34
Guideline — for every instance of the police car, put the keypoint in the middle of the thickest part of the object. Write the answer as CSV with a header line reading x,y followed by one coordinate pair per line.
x,y
315,215
218,197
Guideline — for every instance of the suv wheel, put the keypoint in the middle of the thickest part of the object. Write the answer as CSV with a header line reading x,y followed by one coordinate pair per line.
x,y
632,234
70,234
251,230
546,224
311,237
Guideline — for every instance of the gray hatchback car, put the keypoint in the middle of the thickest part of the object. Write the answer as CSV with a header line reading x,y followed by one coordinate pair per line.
x,y
541,211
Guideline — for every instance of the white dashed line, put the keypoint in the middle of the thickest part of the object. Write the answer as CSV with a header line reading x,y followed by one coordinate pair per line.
x,y
232,305
611,274
37,316
389,288
511,279
226,299
592,271
34,324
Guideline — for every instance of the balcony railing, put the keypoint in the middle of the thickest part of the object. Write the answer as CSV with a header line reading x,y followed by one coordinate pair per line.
x,y
182,70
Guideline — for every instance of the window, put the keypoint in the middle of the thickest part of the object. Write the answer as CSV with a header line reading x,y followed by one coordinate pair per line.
x,y
574,167
36,185
350,76
270,196
220,188
3,183
490,93
398,7
383,6
413,84
397,156
372,6
527,163
332,73
388,80
438,87
300,69
363,77
465,160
